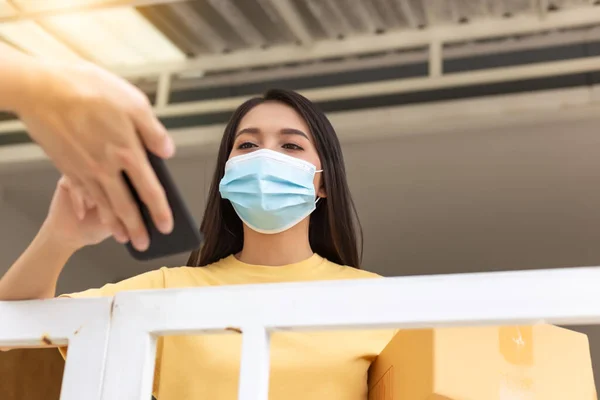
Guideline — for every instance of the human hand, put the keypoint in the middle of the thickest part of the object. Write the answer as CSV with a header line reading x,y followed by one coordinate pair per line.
x,y
73,220
94,126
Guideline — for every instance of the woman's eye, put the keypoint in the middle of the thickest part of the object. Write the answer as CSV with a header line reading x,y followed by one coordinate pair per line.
x,y
246,145
291,146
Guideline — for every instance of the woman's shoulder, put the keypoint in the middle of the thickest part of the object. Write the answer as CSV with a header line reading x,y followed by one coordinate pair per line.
x,y
227,271
186,276
346,272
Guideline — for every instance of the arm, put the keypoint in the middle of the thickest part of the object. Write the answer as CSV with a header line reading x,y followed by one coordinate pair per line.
x,y
18,73
93,125
35,273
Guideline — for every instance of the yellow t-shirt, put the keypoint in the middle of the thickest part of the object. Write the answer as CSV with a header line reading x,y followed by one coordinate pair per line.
x,y
315,365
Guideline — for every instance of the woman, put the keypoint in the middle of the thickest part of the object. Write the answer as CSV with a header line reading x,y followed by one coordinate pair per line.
x,y
279,210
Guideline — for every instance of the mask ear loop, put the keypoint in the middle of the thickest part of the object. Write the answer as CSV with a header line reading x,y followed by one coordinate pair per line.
x,y
318,198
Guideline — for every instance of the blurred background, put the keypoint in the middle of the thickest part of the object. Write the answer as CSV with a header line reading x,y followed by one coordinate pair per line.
x,y
469,127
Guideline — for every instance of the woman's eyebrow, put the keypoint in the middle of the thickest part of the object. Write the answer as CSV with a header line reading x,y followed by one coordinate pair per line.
x,y
292,131
250,130
284,131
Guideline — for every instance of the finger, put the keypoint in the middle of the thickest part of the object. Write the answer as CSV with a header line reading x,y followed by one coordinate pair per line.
x,y
105,212
76,194
64,183
152,132
77,202
148,187
127,212
88,202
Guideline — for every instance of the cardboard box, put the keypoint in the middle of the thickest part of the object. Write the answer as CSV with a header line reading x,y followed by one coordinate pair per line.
x,y
541,362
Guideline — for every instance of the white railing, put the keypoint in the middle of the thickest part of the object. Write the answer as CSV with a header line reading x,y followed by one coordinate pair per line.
x,y
118,336
84,324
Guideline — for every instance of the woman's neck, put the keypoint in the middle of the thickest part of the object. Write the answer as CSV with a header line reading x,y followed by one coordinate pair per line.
x,y
288,247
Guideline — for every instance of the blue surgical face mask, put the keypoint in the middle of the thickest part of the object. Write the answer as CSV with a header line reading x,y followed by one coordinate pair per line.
x,y
270,191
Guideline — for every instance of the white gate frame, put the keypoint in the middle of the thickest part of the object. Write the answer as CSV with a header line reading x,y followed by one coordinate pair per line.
x,y
82,324
562,296
138,318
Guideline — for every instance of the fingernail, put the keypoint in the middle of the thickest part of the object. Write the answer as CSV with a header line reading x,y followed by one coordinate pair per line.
x,y
141,244
169,146
121,238
166,226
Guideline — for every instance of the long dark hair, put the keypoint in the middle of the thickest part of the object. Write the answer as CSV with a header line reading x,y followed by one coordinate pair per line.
x,y
333,225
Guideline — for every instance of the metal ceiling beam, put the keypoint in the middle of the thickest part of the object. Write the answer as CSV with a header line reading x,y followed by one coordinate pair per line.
x,y
540,7
289,14
200,28
406,85
366,15
390,15
408,12
172,30
238,22
345,27
448,117
436,59
287,72
71,9
323,15
379,88
363,44
379,61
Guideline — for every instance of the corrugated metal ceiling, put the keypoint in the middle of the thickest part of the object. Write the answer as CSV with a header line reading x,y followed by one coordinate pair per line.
x,y
209,27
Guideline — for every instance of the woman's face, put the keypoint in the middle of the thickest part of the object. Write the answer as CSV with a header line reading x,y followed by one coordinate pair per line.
x,y
278,127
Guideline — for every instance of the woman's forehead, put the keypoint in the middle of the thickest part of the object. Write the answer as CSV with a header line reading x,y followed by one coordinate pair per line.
x,y
273,116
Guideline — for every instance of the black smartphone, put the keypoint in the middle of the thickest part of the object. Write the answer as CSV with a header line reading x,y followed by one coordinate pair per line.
x,y
185,235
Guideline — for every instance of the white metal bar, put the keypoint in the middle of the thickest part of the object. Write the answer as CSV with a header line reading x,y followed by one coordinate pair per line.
x,y
445,117
369,43
340,19
72,8
324,16
366,89
131,355
440,12
163,90
561,296
408,12
389,14
11,126
496,75
199,27
311,69
238,22
76,8
254,369
289,14
82,323
540,7
366,14
436,59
